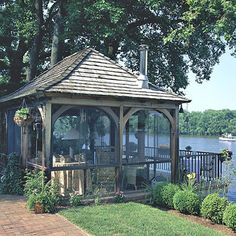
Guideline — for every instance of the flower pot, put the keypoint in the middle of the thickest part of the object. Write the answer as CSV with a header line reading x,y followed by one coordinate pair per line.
x,y
38,208
23,122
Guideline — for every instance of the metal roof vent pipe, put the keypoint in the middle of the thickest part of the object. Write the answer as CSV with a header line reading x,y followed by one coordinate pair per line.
x,y
142,78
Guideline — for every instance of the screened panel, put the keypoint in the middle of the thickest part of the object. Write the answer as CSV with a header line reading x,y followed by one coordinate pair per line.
x,y
135,177
35,142
146,137
84,136
146,150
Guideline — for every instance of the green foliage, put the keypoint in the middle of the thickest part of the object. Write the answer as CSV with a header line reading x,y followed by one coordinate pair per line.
x,y
163,194
226,155
34,182
37,191
167,193
3,163
229,216
23,113
75,200
187,202
182,35
48,200
157,193
209,122
190,182
213,207
119,197
12,179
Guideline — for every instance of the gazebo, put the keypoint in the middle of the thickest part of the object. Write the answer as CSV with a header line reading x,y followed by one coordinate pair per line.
x,y
96,125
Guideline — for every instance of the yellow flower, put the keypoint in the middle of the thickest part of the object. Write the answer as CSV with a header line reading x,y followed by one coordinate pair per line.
x,y
191,176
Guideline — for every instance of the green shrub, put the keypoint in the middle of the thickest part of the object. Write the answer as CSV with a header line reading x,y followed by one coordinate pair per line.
x,y
12,179
75,200
119,197
163,194
187,202
213,207
37,191
167,193
157,193
34,181
48,201
229,216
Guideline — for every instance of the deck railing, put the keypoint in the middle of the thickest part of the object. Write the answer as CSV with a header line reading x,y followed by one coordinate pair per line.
x,y
206,165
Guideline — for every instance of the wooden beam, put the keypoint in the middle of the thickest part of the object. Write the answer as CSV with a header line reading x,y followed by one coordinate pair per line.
x,y
162,110
111,103
59,112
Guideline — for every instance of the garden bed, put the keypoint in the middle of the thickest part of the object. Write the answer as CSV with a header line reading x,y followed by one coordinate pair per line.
x,y
205,222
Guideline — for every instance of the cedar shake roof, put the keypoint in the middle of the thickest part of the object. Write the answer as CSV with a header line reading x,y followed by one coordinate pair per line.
x,y
89,72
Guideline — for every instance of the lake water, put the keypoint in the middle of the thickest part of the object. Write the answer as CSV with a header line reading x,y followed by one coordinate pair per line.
x,y
212,144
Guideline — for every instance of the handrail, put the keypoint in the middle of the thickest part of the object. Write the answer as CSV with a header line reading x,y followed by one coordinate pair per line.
x,y
206,165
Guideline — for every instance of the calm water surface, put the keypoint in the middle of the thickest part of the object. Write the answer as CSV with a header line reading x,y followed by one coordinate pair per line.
x,y
212,144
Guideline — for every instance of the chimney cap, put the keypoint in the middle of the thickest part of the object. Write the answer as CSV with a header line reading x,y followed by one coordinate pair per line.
x,y
143,47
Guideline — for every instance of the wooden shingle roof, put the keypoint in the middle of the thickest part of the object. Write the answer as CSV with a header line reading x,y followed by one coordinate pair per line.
x,y
89,72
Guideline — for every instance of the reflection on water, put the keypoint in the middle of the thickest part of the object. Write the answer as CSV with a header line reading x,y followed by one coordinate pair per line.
x,y
212,144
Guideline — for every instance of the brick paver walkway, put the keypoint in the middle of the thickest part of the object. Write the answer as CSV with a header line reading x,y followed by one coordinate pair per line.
x,y
15,219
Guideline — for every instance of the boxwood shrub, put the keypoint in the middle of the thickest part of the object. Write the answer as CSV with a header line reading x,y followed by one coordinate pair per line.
x,y
163,194
187,202
229,216
213,207
167,194
156,193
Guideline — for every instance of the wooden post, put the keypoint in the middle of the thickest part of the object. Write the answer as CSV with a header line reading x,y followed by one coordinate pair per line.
x,y
48,135
174,146
120,150
141,135
46,113
24,145
127,146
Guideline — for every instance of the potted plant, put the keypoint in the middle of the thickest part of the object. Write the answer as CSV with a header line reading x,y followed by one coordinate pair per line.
x,y
22,117
39,203
188,150
226,155
41,197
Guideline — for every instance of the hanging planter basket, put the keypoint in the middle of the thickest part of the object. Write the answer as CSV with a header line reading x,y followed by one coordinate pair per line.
x,y
22,117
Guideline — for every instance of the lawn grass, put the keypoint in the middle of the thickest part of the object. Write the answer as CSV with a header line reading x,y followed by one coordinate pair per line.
x,y
132,219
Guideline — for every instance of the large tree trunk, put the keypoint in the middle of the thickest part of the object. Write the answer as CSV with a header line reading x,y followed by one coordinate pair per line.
x,y
57,40
16,65
37,41
112,46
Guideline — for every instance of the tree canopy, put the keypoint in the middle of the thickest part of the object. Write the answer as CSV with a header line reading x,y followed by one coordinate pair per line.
x,y
209,122
183,36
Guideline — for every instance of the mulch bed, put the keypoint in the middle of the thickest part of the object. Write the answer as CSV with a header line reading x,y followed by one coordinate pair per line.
x,y
205,222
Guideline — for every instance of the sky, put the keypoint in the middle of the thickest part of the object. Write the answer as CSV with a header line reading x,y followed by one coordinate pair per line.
x,y
217,93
